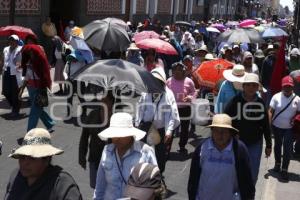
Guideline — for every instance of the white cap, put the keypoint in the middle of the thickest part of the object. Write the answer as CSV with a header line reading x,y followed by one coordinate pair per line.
x,y
14,37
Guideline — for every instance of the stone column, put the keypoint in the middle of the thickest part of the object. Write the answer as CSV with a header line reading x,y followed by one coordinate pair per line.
x,y
132,9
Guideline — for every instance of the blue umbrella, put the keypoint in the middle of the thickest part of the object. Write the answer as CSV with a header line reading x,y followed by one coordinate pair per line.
x,y
80,45
274,32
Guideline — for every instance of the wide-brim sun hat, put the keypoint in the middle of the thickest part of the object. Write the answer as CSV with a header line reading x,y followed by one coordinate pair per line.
x,y
133,47
121,125
222,121
36,144
237,74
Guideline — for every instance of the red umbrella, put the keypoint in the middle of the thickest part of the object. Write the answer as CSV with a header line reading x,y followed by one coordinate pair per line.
x,y
210,72
145,35
159,45
20,31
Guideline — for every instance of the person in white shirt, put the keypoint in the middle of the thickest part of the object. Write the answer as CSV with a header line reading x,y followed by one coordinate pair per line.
x,y
12,74
283,107
161,111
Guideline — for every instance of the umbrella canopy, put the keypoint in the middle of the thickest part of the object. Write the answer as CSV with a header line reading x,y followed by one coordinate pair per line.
x,y
247,22
120,75
116,21
145,35
240,36
80,45
212,30
20,31
106,35
209,73
274,32
182,23
159,45
232,23
220,27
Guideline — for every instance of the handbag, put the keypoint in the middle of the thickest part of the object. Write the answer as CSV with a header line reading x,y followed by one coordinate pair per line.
x,y
41,99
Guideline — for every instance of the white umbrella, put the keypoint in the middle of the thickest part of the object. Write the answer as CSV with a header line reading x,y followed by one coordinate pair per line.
x,y
212,29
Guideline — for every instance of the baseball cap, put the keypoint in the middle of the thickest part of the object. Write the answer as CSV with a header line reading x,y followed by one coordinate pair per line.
x,y
144,179
14,37
287,81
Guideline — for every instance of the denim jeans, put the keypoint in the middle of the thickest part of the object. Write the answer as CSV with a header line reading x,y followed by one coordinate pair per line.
x,y
255,151
37,112
283,137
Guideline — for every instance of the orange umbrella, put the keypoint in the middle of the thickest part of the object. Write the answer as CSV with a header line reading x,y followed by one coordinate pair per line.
x,y
210,72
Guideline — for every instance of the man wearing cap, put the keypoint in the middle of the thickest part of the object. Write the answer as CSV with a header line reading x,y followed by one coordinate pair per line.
x,y
248,63
230,87
250,117
36,177
237,56
161,111
12,74
294,63
220,167
283,107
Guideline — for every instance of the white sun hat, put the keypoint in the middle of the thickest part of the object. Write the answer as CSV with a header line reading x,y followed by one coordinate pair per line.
x,y
36,144
121,125
237,74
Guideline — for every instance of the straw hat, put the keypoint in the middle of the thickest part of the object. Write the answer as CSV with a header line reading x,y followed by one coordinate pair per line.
x,y
133,47
36,144
159,73
237,74
222,121
259,53
121,126
202,48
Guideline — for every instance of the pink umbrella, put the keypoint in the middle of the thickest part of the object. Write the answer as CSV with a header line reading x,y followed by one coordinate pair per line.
x,y
247,22
21,31
220,27
145,35
159,45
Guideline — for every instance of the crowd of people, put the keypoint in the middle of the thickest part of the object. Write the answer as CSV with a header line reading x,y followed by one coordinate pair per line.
x,y
127,154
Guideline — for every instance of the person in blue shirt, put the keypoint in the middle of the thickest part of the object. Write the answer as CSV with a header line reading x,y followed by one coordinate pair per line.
x,y
230,87
120,157
220,168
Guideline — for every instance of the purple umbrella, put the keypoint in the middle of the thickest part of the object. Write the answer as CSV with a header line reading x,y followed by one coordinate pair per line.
x,y
220,27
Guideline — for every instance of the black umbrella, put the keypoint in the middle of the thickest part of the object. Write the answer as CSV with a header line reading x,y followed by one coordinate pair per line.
x,y
182,23
120,75
107,35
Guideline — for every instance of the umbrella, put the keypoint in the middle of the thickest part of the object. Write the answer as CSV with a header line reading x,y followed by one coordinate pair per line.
x,y
247,22
159,45
182,23
209,73
212,29
220,27
106,35
119,75
20,31
274,32
80,45
116,21
240,36
145,35
232,23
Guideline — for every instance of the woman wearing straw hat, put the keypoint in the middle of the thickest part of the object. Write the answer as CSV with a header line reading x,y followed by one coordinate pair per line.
x,y
36,177
120,157
251,119
220,167
230,87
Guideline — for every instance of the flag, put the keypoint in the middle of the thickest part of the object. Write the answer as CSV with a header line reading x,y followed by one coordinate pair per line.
x,y
279,68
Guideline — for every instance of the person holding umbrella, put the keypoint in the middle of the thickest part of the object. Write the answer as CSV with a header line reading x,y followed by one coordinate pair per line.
x,y
12,75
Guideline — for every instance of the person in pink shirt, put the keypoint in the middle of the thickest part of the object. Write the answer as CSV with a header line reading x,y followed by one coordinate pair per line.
x,y
184,91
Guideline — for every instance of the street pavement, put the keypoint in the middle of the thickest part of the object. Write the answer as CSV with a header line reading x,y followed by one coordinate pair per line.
x,y
66,136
